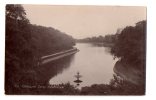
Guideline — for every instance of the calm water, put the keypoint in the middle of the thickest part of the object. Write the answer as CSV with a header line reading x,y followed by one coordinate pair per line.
x,y
94,63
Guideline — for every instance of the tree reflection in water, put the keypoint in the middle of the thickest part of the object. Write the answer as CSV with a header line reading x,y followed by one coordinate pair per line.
x,y
51,69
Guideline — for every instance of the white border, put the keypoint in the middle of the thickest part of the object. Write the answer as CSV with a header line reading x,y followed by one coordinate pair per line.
x,y
151,46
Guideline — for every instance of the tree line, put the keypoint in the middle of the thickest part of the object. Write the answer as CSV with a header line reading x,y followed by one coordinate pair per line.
x,y
25,43
130,49
98,39
130,45
108,38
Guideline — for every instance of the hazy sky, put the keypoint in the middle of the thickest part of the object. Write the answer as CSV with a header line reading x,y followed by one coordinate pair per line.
x,y
85,21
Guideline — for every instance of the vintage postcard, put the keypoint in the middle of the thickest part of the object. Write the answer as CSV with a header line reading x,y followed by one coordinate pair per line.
x,y
75,50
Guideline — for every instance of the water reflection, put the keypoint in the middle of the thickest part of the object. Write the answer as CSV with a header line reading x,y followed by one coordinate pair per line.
x,y
51,69
78,81
95,64
97,44
106,49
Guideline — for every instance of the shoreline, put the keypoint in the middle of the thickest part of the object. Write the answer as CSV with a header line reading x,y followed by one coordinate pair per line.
x,y
127,72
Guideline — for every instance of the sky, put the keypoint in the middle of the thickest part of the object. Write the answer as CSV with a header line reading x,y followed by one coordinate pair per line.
x,y
85,21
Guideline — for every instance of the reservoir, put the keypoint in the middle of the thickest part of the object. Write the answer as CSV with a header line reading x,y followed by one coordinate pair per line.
x,y
93,62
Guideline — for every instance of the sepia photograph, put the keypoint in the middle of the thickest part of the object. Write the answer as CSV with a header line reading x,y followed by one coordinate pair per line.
x,y
75,50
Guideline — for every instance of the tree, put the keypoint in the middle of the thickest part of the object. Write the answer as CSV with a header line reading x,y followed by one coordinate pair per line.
x,y
130,45
18,46
130,49
25,44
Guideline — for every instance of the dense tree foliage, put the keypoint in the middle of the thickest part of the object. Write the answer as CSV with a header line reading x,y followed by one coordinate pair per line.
x,y
130,49
25,43
17,45
130,45
49,40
